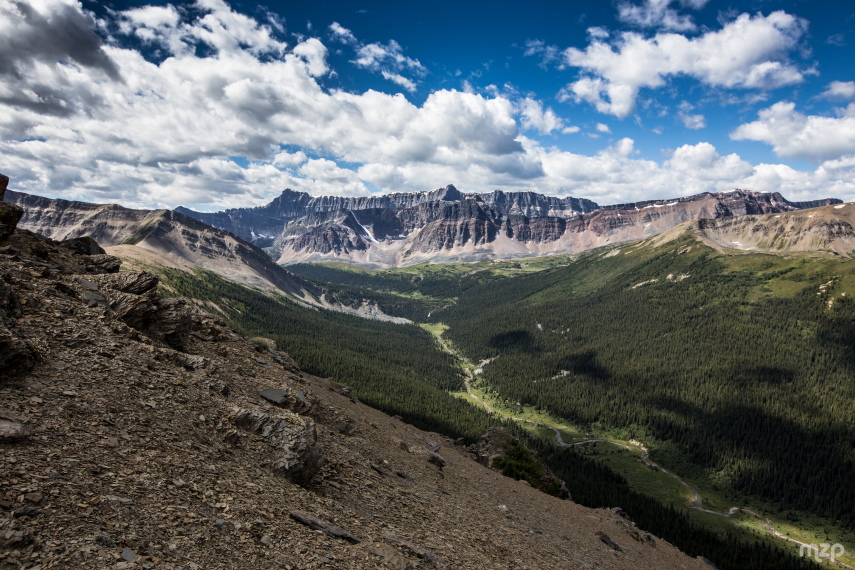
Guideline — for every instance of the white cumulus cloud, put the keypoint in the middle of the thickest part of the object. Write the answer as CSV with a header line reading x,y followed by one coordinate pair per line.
x,y
343,34
839,90
533,116
387,60
749,52
690,120
659,14
228,113
793,134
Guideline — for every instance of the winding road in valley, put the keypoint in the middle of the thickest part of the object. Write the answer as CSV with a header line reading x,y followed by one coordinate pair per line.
x,y
471,370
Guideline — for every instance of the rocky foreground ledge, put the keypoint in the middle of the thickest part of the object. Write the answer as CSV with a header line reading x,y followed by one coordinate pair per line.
x,y
141,432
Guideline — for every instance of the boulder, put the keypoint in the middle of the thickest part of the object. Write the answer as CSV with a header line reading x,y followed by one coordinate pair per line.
x,y
608,541
14,535
16,357
136,283
297,455
10,215
133,298
136,310
4,184
289,399
13,427
436,459
316,523
103,263
84,246
172,322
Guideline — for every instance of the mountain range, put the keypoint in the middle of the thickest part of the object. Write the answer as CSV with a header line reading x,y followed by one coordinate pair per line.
x,y
177,240
446,225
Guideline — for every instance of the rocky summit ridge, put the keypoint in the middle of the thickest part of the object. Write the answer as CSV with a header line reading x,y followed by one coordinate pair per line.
x,y
140,432
443,225
175,239
448,225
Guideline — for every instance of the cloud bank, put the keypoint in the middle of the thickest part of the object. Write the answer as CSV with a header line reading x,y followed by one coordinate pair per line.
x,y
208,107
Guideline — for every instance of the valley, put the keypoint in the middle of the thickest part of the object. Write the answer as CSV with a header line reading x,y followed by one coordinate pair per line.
x,y
438,404
631,459
714,359
781,278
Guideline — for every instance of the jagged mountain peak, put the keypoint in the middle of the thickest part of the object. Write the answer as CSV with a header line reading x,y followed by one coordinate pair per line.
x,y
446,224
451,194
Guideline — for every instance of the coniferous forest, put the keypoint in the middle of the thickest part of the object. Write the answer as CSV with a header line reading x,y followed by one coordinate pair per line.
x,y
745,363
761,389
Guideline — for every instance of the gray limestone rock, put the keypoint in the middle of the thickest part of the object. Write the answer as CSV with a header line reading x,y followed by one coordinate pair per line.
x,y
13,534
297,454
293,400
95,299
132,296
172,322
315,523
135,283
608,541
13,427
104,263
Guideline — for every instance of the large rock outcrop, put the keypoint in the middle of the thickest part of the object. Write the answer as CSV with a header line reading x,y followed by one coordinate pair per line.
x,y
10,214
133,297
297,455
16,356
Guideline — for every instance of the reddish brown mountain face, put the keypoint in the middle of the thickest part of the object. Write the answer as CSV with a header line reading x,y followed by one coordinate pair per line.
x,y
447,225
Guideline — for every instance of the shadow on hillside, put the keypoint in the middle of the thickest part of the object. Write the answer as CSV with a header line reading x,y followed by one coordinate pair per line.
x,y
586,364
764,454
518,339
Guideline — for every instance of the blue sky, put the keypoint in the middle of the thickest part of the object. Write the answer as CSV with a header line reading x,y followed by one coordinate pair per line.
x,y
213,105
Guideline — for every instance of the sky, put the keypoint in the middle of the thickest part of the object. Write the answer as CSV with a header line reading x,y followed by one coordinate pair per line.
x,y
215,105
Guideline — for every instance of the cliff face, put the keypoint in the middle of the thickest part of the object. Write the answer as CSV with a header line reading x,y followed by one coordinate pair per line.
x,y
267,221
828,229
447,225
